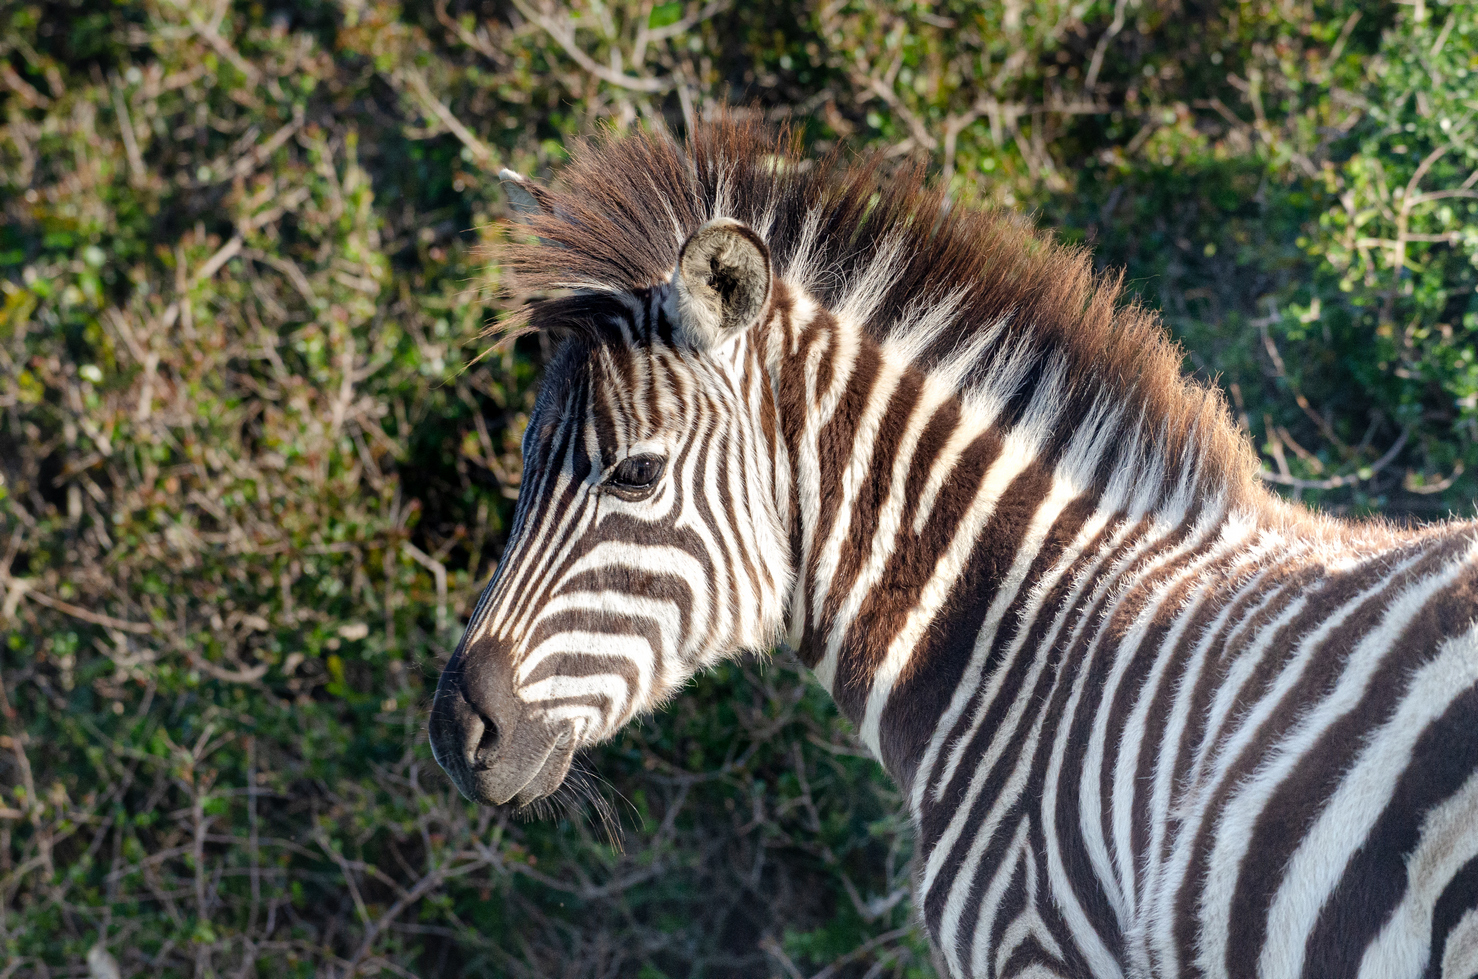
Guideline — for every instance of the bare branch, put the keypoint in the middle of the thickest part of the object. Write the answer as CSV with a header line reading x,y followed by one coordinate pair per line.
x,y
1412,486
1348,479
563,33
1090,80
482,155
136,174
77,612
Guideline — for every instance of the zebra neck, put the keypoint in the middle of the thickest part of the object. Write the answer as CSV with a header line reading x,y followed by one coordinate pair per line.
x,y
920,516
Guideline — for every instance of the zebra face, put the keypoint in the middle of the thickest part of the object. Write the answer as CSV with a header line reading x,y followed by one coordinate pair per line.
x,y
646,543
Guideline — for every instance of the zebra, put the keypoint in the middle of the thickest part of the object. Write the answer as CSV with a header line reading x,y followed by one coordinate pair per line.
x,y
1148,718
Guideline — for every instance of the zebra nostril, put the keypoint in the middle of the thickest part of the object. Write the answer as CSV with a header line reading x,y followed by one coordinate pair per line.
x,y
487,745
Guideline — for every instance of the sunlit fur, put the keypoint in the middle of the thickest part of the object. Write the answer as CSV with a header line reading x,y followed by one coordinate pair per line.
x,y
1148,720
611,604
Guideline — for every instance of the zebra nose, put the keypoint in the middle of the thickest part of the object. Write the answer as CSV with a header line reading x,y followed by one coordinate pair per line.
x,y
481,754
462,732
474,722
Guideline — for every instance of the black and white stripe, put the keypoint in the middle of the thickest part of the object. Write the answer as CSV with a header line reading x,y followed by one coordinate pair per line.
x,y
1149,720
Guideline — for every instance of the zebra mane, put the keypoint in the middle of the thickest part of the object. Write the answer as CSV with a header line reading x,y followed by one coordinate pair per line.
x,y
884,251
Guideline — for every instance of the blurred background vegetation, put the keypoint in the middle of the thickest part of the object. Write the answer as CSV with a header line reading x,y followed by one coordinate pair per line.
x,y
248,491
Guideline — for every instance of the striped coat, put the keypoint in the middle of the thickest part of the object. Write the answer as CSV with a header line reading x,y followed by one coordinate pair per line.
x,y
1149,720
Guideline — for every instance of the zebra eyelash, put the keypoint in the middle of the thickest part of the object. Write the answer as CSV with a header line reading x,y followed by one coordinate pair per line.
x,y
636,477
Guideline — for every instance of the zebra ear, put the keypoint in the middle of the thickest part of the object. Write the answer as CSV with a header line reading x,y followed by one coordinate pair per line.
x,y
722,282
525,197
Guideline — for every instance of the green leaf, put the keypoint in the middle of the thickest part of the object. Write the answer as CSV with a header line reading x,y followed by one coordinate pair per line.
x,y
665,14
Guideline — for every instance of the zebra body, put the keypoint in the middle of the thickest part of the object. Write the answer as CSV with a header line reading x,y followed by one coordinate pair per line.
x,y
1149,720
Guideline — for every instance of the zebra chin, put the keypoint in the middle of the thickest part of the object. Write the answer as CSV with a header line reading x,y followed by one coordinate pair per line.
x,y
493,747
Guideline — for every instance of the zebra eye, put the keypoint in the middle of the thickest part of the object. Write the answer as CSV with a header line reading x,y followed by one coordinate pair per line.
x,y
637,474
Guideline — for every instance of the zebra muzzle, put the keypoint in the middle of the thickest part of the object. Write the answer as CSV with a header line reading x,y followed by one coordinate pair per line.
x,y
494,749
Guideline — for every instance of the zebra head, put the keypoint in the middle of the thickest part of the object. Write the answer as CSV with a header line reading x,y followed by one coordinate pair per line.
x,y
646,543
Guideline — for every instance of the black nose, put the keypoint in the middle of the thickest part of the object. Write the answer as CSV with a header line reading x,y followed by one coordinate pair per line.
x,y
475,720
487,745
459,731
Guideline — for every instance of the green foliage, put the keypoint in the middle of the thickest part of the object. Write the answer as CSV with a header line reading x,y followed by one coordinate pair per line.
x,y
248,491
1315,251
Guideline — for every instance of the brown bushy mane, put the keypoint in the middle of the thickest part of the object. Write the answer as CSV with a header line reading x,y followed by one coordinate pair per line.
x,y
628,202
